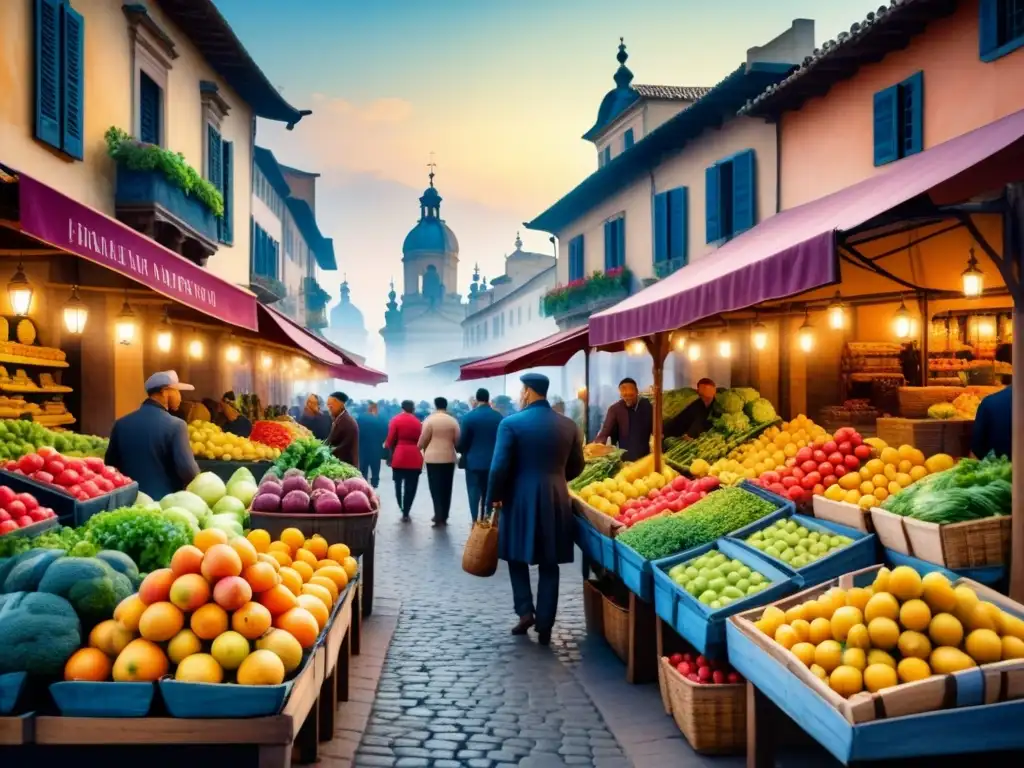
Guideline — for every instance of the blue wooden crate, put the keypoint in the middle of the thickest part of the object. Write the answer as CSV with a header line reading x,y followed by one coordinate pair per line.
x,y
588,540
860,554
991,576
703,627
81,698
70,510
607,551
635,571
222,700
11,686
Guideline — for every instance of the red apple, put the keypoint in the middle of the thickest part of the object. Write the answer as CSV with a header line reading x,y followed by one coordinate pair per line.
x,y
685,668
6,526
68,478
680,483
24,521
862,452
675,659
43,477
7,495
820,456
704,673
825,468
28,500
718,677
829,447
851,461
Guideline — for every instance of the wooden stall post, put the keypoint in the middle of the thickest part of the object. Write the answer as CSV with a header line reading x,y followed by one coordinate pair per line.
x,y
657,345
586,395
1013,250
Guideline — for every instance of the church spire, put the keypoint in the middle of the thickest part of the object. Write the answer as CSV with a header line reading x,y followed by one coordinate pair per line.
x,y
519,242
623,77
344,289
430,202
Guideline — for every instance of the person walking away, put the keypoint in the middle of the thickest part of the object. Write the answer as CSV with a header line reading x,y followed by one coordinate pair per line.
x,y
234,421
993,423
151,445
344,436
695,419
629,422
438,440
373,431
478,432
406,460
537,452
315,418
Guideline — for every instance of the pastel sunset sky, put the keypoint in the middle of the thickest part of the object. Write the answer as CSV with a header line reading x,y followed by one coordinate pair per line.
x,y
500,91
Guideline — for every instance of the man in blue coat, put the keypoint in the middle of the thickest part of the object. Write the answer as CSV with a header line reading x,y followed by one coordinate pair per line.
x,y
373,431
478,433
150,445
538,451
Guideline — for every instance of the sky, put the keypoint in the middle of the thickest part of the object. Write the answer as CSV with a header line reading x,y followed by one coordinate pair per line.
x,y
499,91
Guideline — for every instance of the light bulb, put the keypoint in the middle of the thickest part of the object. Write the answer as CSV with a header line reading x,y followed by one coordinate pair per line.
x,y
164,340
901,322
636,347
759,336
195,349
693,351
725,348
75,313
233,353
678,342
805,336
266,361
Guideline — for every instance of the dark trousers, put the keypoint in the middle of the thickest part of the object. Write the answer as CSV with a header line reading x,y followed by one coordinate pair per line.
x,y
476,487
406,481
371,470
440,478
547,593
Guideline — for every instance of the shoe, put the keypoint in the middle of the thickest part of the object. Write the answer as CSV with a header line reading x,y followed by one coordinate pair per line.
x,y
544,636
525,622
406,519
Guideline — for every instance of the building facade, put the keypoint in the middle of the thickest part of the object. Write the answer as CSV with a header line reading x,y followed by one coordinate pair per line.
x,y
290,256
678,175
82,76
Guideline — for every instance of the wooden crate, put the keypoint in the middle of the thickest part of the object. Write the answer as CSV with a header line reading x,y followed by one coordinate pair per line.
x,y
890,531
930,436
915,401
713,718
971,544
843,513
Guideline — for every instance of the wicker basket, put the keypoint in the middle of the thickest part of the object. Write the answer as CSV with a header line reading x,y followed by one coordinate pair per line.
x,y
930,436
713,718
915,401
973,544
480,556
666,699
615,621
593,609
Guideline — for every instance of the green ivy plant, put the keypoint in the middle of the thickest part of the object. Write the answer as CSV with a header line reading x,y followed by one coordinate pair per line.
x,y
137,155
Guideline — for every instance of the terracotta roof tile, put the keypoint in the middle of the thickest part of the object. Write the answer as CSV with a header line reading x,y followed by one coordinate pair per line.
x,y
671,92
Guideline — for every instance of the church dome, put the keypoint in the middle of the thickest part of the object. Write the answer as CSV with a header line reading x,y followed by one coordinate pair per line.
x,y
346,314
430,233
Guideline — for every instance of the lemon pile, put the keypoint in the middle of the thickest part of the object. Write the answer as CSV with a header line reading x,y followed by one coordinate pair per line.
x,y
901,629
610,494
769,451
890,473
210,442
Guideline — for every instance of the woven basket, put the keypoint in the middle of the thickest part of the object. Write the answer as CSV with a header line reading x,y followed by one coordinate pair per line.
x,y
615,619
915,401
666,699
973,544
931,436
480,557
713,718
593,609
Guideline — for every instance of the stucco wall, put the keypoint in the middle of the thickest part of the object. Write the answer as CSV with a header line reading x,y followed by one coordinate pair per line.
x,y
961,93
527,326
108,101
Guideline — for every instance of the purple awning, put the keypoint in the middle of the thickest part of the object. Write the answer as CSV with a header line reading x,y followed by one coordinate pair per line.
x,y
795,250
556,349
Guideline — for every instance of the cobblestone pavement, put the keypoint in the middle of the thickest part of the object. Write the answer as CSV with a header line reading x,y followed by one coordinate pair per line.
x,y
457,689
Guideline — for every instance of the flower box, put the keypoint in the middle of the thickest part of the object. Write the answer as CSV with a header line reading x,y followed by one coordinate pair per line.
x,y
152,190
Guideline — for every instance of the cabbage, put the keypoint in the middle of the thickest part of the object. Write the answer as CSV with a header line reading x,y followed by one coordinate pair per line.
x,y
208,487
186,500
229,505
179,515
150,507
242,473
761,411
729,402
733,422
747,394
295,503
243,490
227,523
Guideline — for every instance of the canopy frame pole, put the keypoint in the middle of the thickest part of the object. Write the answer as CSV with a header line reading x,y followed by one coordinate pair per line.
x,y
586,395
657,346
1010,268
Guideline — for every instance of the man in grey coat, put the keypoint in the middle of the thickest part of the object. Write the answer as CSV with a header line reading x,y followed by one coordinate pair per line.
x,y
150,445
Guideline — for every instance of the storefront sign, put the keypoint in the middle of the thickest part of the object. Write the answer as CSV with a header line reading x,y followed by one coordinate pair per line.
x,y
48,215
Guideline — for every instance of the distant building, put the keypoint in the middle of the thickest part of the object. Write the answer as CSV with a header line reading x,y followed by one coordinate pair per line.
x,y
347,328
427,326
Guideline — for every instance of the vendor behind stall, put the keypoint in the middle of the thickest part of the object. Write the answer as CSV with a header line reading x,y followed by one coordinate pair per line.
x,y
695,419
234,421
993,423
629,422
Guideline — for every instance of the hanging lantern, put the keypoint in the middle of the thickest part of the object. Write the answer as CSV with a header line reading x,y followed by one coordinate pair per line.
x,y
125,325
678,341
973,279
165,336
837,313
805,335
195,349
759,336
902,323
19,291
233,353
693,349
636,347
725,346
266,361
75,313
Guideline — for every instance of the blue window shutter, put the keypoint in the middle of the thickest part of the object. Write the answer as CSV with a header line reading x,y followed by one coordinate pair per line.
x,y
627,139
227,234
609,239
912,94
581,259
48,74
712,205
252,246
744,191
73,76
214,163
661,227
886,125
150,97
988,27
620,242
677,224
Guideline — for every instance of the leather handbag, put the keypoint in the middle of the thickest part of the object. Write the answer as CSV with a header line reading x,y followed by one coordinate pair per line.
x,y
480,557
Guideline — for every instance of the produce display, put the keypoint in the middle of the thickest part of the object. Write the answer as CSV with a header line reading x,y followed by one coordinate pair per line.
x,y
83,479
719,513
889,474
20,510
793,544
600,466
20,437
970,490
241,610
294,494
901,629
633,481
965,406
703,671
211,442
671,497
314,459
272,433
717,581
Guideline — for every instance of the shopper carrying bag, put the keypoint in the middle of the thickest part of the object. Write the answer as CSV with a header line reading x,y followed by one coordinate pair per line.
x,y
480,557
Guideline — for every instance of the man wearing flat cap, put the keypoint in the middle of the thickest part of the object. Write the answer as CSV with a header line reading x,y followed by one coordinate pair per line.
x,y
150,445
537,452
344,436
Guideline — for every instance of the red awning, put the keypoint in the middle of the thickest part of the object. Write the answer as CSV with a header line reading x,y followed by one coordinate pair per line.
x,y
54,218
275,326
795,251
556,349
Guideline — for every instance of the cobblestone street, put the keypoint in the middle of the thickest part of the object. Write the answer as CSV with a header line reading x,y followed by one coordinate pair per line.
x,y
457,689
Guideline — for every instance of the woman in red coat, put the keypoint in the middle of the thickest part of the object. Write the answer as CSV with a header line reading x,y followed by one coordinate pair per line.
x,y
406,459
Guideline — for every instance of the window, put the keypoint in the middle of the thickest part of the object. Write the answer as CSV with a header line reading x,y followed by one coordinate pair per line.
x,y
494,327
577,265
670,238
151,108
1001,28
265,253
604,156
899,120
59,75
615,243
627,139
729,197
220,167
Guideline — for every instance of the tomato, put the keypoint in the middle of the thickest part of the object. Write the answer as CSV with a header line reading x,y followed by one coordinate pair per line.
x,y
28,500
31,462
862,452
825,468
851,461
90,489
16,509
678,504
820,456
798,473
795,493
54,467
770,477
829,447
68,478
777,488
845,448
809,466
680,483
855,440
839,470
653,493
675,659
843,433
47,451
75,464
804,454
7,495
829,480
790,482
806,483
